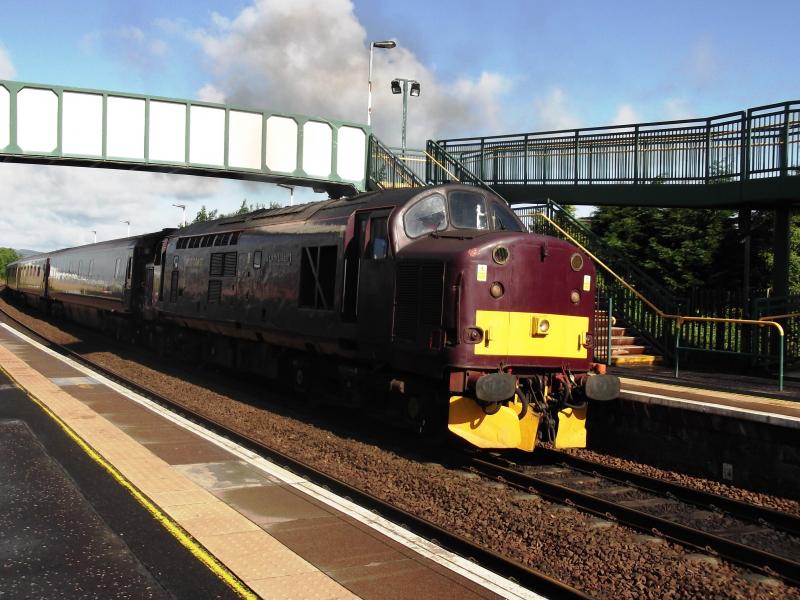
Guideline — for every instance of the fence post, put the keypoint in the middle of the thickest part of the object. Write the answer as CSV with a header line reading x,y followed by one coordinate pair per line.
x,y
525,163
608,341
636,155
785,142
483,158
708,150
677,348
780,365
576,157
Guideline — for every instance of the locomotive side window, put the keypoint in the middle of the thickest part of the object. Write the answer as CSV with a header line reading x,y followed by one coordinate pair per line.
x,y
503,218
378,246
317,277
468,211
426,216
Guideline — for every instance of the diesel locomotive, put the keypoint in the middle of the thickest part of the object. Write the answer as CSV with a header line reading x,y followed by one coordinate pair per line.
x,y
434,303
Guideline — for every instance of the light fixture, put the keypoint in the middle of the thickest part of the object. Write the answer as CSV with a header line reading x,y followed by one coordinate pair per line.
x,y
396,89
414,89
386,45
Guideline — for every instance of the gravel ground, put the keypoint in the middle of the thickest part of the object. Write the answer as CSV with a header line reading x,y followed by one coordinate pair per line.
x,y
766,500
599,557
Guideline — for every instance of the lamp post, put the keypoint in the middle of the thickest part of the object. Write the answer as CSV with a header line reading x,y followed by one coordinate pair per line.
x,y
414,91
183,217
387,45
129,227
291,192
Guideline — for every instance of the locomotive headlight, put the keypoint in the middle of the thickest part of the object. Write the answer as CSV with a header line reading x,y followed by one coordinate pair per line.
x,y
500,255
497,290
575,296
539,327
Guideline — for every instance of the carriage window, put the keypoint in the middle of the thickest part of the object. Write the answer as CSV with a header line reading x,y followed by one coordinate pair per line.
x,y
503,218
426,216
257,259
116,268
468,210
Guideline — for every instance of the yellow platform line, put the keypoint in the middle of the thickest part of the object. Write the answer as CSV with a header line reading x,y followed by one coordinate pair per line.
x,y
180,534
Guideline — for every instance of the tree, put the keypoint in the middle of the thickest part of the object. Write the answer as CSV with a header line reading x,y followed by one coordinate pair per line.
x,y
678,247
7,255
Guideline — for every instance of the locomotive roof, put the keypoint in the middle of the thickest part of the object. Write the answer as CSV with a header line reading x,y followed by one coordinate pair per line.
x,y
302,212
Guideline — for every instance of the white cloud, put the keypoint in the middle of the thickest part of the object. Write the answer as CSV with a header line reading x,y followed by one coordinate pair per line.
x,y
132,45
552,112
210,93
625,115
702,64
677,108
7,70
56,207
311,57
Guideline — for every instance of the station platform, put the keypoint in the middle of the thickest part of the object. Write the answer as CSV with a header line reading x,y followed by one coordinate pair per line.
x,y
110,495
725,427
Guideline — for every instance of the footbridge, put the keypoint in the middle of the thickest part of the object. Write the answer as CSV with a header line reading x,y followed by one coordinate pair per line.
x,y
46,124
749,157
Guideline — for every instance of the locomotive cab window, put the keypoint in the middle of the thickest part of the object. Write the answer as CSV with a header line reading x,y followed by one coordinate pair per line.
x,y
503,219
426,216
468,211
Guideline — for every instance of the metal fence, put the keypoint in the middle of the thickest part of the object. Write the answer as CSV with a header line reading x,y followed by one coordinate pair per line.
x,y
750,144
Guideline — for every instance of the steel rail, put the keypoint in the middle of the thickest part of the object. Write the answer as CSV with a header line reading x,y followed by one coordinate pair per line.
x,y
736,508
507,567
746,556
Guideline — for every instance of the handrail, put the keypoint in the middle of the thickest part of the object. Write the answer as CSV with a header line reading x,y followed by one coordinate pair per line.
x,y
773,317
737,113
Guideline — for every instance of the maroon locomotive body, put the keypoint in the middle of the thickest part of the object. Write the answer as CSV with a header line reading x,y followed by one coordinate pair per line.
x,y
433,300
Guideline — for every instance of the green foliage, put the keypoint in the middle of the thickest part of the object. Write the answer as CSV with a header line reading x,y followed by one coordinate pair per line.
x,y
680,248
7,255
683,248
209,215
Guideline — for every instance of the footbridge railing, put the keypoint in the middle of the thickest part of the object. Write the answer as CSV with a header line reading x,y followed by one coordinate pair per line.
x,y
752,144
48,124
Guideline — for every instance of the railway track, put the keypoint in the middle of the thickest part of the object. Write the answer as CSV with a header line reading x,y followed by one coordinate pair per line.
x,y
756,538
494,561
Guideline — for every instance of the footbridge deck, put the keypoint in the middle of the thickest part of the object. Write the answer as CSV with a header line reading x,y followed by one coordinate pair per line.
x,y
746,157
46,124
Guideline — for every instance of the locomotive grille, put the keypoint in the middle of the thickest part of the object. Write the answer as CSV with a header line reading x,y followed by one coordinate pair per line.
x,y
214,291
223,264
418,301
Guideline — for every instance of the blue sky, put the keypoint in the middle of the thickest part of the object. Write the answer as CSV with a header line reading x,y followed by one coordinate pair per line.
x,y
485,68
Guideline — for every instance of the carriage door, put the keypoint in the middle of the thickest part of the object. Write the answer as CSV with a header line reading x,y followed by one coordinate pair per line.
x,y
376,280
352,257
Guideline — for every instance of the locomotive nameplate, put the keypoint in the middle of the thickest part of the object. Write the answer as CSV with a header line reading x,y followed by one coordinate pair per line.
x,y
279,257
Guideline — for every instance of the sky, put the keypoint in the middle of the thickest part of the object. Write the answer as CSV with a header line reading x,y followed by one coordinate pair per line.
x,y
485,68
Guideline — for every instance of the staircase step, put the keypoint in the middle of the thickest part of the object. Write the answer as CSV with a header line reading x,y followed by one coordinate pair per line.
x,y
622,340
627,350
635,360
617,331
